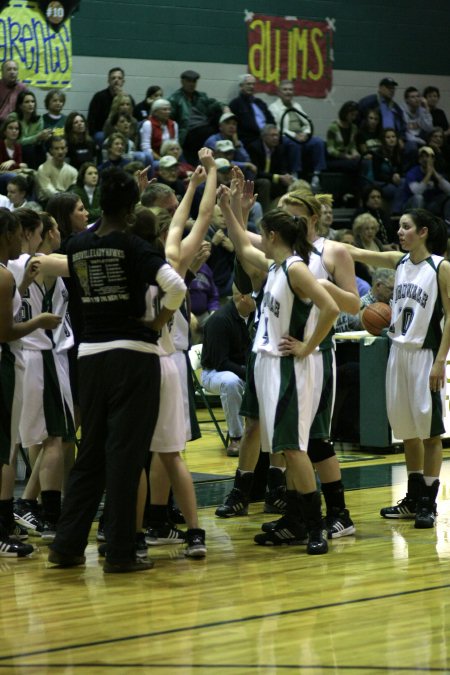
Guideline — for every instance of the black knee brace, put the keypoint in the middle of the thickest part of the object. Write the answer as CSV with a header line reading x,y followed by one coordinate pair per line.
x,y
320,449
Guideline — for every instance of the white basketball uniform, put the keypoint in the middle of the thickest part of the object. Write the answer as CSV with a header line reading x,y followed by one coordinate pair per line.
x,y
180,337
170,430
11,376
282,383
47,399
415,332
317,268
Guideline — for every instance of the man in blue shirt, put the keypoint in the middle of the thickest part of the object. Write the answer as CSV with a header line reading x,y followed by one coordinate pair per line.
x,y
390,112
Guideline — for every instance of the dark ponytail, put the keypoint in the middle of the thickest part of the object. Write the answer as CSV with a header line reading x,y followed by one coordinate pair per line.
x,y
293,230
437,229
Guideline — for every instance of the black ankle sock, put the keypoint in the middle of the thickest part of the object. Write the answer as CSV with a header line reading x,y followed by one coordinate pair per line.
x,y
51,505
157,515
334,495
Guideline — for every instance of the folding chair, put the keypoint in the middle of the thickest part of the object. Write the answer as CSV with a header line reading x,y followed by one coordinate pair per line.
x,y
195,357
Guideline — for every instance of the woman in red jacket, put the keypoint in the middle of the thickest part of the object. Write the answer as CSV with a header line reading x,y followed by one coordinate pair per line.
x,y
10,148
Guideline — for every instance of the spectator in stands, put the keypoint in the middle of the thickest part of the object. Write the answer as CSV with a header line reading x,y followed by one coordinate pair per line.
x,y
372,202
365,229
432,95
345,236
221,260
270,158
417,116
343,155
116,146
226,344
296,131
228,132
123,123
80,146
436,141
381,291
33,135
158,195
122,103
368,138
100,104
159,127
142,110
390,111
425,187
324,228
17,190
10,148
168,174
10,88
54,175
252,113
388,167
196,114
54,119
174,148
88,191
203,294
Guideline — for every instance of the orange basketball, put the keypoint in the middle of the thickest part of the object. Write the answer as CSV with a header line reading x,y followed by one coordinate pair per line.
x,y
375,317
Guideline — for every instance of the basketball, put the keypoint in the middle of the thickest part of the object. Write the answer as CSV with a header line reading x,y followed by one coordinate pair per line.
x,y
375,317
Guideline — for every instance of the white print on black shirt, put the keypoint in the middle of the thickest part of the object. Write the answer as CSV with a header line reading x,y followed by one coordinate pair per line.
x,y
101,275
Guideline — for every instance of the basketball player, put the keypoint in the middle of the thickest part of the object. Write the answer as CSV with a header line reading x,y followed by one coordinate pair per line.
x,y
328,261
11,369
289,294
415,372
47,412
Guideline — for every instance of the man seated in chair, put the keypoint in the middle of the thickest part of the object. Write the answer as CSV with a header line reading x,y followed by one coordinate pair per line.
x,y
226,343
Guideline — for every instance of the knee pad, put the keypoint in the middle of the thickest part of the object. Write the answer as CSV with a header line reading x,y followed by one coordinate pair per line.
x,y
320,449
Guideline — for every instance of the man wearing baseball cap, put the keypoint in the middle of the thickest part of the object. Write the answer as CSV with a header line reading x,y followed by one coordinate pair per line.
x,y
196,113
167,174
425,187
390,112
228,132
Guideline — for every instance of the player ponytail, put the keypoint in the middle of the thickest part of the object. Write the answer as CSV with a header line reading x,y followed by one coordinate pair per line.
x,y
436,241
292,230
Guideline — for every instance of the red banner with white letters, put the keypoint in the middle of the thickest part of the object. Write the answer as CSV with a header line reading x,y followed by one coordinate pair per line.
x,y
288,48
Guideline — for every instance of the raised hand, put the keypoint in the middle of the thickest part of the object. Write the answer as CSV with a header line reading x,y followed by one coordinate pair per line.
x,y
198,177
223,196
205,156
237,182
142,179
248,196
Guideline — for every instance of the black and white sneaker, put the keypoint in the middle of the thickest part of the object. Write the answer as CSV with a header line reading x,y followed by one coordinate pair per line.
x,y
339,524
166,534
12,548
284,533
196,546
235,504
405,508
26,516
275,500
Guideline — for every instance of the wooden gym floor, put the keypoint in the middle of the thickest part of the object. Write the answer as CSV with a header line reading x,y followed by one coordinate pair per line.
x,y
377,602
